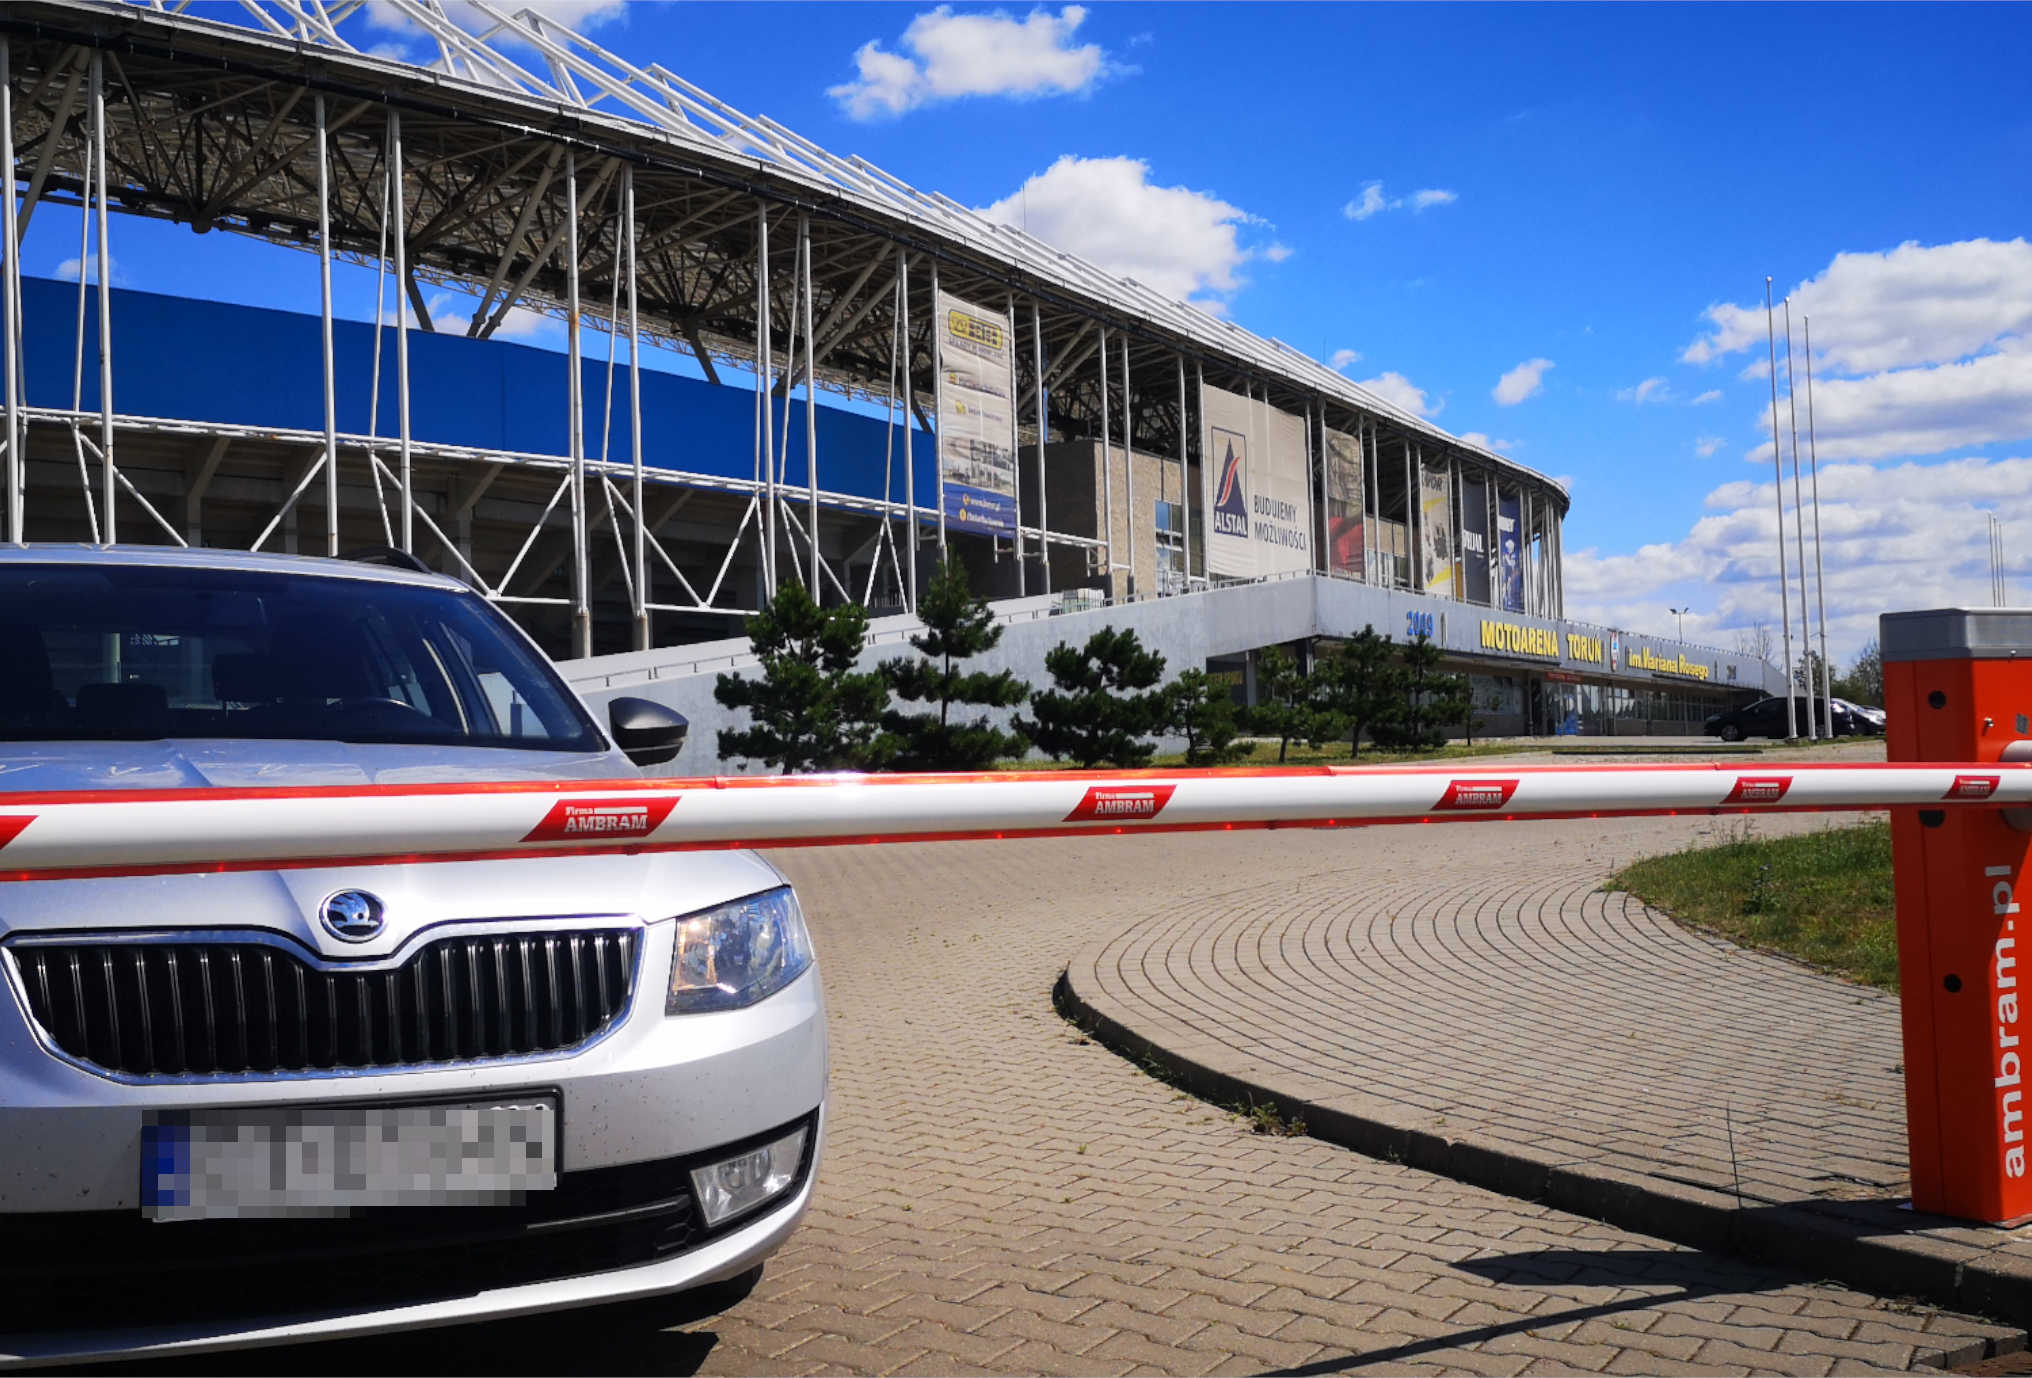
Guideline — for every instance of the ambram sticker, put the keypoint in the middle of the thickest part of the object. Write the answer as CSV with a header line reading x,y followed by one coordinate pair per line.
x,y
601,820
1759,789
1121,803
1476,794
1973,787
12,824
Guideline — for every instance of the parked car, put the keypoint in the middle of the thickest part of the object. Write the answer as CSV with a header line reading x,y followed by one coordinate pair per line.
x,y
251,1107
1766,718
1871,719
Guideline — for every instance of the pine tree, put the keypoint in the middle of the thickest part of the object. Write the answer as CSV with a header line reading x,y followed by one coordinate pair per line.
x,y
809,709
1285,710
1359,688
1103,707
956,626
1425,698
1201,710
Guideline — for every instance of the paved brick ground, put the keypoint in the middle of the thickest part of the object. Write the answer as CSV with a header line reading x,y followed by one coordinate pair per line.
x,y
1002,1196
1513,1005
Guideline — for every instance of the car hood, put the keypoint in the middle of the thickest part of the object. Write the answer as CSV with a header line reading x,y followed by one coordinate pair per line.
x,y
415,896
245,764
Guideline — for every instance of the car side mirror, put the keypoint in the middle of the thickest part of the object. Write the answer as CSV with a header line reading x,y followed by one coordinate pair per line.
x,y
647,733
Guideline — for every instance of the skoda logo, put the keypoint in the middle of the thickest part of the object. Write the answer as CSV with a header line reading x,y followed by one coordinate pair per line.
x,y
352,916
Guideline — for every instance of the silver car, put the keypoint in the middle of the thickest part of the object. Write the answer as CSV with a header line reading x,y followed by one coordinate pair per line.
x,y
256,1107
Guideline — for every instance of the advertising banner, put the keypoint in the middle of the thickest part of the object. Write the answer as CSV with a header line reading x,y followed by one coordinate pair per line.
x,y
1345,527
1474,539
1256,488
1435,530
976,397
1510,549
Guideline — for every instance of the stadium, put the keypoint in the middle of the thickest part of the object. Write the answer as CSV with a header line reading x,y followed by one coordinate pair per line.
x,y
778,363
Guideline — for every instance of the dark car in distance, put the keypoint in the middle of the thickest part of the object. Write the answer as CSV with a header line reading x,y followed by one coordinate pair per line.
x,y
1766,718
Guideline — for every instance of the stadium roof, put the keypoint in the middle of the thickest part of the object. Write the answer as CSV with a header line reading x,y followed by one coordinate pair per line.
x,y
544,86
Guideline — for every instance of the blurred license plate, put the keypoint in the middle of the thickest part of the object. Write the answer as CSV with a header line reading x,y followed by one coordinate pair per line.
x,y
327,1161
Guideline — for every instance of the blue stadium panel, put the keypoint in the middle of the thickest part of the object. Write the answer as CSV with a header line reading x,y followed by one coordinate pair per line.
x,y
188,359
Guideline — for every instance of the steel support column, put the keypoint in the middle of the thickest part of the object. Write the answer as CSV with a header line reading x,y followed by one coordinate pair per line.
x,y
1107,475
324,201
1184,488
810,395
17,461
1043,435
109,484
1129,465
937,410
643,638
581,591
1015,445
398,230
909,411
1413,575
765,370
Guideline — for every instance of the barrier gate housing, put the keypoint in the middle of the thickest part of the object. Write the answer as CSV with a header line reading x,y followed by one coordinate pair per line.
x,y
1958,783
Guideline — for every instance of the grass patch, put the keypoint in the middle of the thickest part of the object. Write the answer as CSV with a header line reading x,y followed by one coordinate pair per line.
x,y
1823,897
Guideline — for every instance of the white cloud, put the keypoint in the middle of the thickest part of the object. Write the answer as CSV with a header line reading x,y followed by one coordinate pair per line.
x,y
1910,535
1278,251
1915,304
521,323
1707,445
1650,390
951,56
1343,357
68,270
1371,201
1401,393
1711,395
1182,243
1500,446
1916,411
1521,382
1367,203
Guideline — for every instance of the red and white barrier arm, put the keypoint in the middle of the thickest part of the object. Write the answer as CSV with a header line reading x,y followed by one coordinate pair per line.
x,y
155,832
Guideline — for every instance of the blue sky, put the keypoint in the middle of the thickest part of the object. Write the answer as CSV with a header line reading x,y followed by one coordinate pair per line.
x,y
1596,179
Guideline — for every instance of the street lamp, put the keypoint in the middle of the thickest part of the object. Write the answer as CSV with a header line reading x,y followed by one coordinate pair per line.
x,y
1680,613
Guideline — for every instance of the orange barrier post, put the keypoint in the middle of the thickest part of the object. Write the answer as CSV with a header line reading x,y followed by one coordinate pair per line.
x,y
1958,687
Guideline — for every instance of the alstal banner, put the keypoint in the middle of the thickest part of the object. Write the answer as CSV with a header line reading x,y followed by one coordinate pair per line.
x,y
976,391
1255,488
1435,530
1510,550
1474,539
1346,536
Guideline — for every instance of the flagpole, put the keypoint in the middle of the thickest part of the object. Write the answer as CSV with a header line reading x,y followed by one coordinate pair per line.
x,y
1778,491
1819,578
1799,536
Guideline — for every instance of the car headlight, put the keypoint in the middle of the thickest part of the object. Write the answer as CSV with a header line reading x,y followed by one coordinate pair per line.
x,y
731,956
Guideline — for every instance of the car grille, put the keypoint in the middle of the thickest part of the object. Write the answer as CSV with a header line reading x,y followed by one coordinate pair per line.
x,y
177,1008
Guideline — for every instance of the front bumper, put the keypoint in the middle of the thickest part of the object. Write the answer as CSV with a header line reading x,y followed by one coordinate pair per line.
x,y
654,1088
725,1256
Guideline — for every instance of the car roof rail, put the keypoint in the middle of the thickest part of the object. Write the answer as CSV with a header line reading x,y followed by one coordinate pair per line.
x,y
388,555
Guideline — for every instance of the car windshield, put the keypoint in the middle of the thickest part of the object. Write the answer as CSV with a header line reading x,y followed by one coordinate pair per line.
x,y
147,652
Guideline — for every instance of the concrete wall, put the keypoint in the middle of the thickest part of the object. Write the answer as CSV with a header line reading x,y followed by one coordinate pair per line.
x,y
1186,629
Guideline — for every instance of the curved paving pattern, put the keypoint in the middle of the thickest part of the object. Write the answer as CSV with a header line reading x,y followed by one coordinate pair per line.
x,y
1003,1195
1522,1004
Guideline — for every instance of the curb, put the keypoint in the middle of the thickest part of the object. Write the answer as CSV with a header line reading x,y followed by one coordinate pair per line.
x,y
1825,1241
